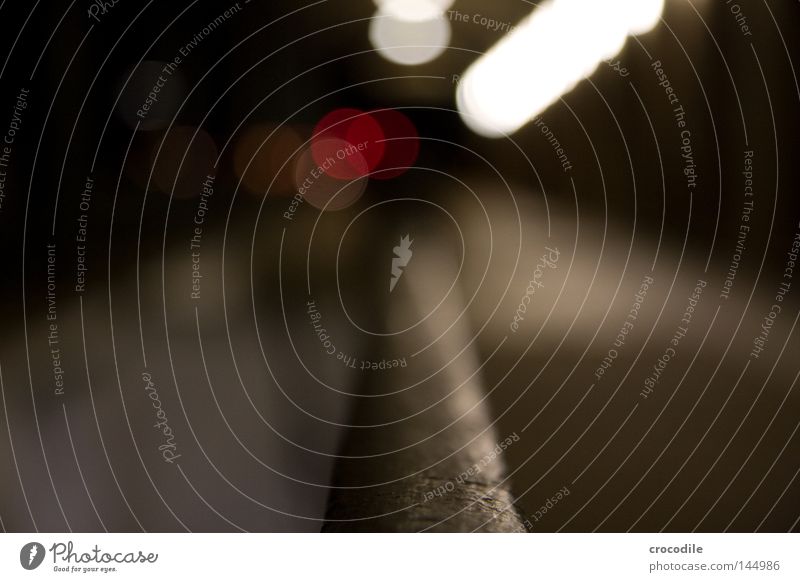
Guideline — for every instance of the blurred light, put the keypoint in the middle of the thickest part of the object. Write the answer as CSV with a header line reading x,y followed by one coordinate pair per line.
x,y
315,184
402,144
414,10
347,143
149,97
258,158
549,53
139,162
185,161
410,32
643,16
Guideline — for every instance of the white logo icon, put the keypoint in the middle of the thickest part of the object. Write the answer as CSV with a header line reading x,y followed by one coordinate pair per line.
x,y
403,255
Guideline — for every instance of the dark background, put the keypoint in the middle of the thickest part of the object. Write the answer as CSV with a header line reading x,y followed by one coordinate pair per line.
x,y
714,449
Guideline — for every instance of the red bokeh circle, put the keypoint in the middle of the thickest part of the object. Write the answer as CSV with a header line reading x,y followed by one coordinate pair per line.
x,y
347,144
402,144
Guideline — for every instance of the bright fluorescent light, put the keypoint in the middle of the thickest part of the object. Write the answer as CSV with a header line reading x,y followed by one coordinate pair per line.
x,y
552,50
643,16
